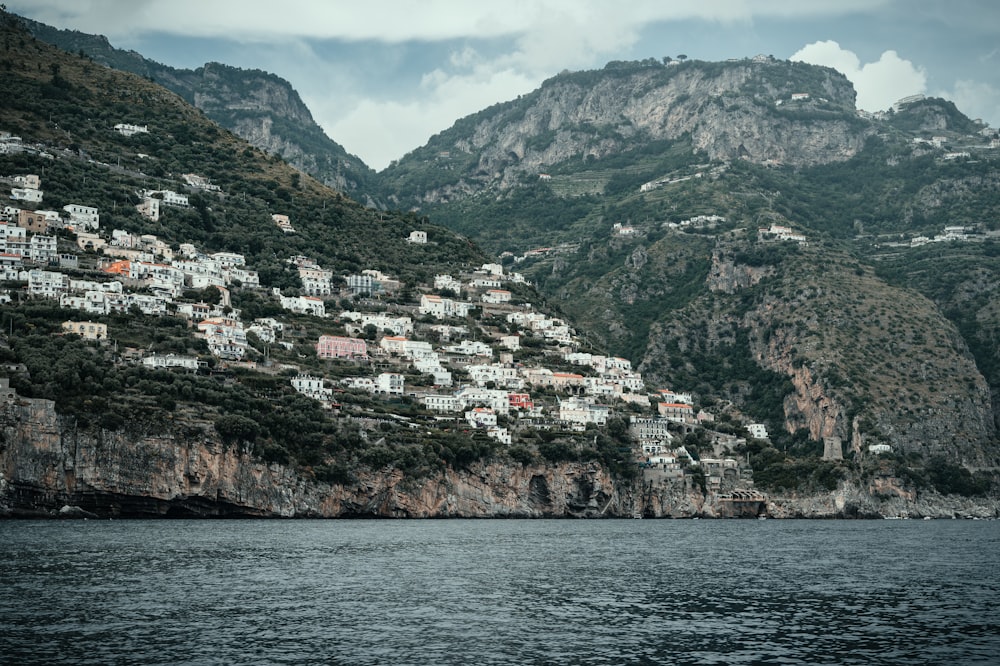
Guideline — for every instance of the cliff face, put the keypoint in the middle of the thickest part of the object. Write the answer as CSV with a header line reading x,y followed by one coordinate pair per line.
x,y
727,110
267,112
257,106
867,362
47,463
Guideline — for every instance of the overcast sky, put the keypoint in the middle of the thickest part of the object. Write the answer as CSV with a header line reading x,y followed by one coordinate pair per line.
x,y
382,76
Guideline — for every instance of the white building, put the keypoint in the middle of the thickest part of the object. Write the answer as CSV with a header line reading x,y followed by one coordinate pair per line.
x,y
418,237
316,281
399,326
171,361
125,129
113,287
447,282
496,296
26,194
581,412
82,218
303,304
169,197
442,403
437,306
390,383
312,387
225,337
481,417
47,284
43,249
495,398
470,348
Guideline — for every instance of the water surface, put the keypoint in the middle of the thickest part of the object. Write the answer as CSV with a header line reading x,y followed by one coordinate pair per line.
x,y
500,592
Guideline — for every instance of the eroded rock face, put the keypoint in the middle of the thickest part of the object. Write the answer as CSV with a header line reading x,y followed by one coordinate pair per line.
x,y
47,463
728,276
48,467
728,111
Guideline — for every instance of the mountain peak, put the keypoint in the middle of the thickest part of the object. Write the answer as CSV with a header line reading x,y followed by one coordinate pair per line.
x,y
766,112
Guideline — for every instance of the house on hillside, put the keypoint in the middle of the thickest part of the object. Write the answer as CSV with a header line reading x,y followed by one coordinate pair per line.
x,y
283,223
678,412
312,387
172,361
149,208
333,346
126,129
87,330
82,218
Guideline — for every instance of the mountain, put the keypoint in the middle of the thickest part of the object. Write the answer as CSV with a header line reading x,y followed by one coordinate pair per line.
x,y
260,107
764,111
827,278
639,198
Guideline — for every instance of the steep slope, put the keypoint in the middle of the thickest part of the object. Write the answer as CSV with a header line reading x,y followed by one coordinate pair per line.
x,y
765,112
633,197
652,249
84,421
260,107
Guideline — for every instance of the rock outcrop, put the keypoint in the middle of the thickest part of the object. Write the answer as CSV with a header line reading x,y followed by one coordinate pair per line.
x,y
728,111
49,467
47,463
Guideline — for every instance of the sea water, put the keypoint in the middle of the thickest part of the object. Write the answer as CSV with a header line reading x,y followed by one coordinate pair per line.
x,y
500,592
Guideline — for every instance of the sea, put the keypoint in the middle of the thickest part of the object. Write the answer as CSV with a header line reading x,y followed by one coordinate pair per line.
x,y
499,592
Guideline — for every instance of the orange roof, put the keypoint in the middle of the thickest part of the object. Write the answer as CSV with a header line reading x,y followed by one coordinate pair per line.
x,y
119,267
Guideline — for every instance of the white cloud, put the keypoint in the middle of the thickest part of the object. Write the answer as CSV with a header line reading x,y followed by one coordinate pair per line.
x,y
976,100
387,128
878,83
402,20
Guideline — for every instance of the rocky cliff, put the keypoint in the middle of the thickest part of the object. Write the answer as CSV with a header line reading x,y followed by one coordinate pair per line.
x,y
914,384
47,462
260,107
50,467
738,110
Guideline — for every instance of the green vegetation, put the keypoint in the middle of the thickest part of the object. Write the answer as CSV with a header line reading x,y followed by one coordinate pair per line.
x,y
218,88
703,308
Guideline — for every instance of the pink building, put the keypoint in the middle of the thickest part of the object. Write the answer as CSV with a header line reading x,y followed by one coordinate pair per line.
x,y
332,346
520,401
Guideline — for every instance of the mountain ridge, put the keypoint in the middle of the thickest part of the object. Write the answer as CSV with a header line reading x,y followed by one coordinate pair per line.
x,y
770,292
259,106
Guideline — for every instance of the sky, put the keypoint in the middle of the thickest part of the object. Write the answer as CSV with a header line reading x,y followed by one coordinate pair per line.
x,y
383,76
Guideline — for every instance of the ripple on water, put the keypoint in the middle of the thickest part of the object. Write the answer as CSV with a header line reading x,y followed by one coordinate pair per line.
x,y
499,592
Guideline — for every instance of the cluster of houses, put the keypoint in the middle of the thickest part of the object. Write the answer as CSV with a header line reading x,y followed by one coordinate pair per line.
x,y
440,351
696,221
781,233
952,233
497,393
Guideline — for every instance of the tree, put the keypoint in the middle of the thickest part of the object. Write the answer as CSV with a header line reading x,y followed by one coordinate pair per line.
x,y
235,428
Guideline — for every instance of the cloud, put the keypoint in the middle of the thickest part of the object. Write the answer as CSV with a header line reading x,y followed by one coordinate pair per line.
x,y
878,83
385,127
402,20
976,100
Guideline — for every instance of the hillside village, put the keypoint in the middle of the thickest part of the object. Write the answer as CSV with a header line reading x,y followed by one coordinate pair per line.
x,y
469,353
